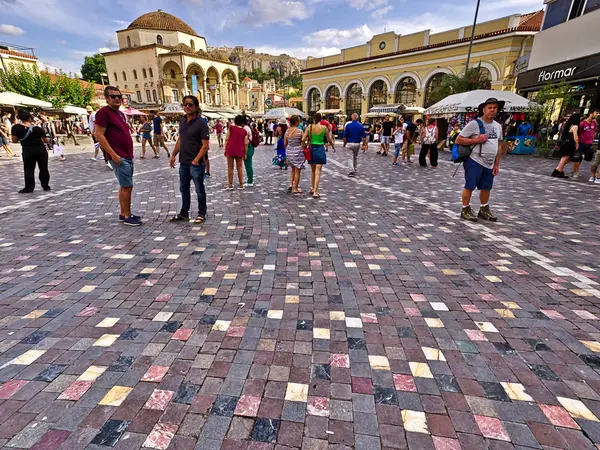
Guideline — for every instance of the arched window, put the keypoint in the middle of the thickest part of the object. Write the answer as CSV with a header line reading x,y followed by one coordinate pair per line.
x,y
378,93
150,72
115,75
433,85
353,100
406,91
144,73
154,97
134,74
128,41
332,98
159,40
124,76
314,100
172,73
485,73
192,44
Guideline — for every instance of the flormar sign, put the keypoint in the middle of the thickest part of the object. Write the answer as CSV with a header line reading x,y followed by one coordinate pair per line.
x,y
557,74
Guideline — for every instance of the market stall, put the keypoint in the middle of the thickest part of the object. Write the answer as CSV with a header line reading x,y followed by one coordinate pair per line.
x,y
462,108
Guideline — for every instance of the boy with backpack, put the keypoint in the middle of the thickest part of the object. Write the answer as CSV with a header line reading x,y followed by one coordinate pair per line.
x,y
484,139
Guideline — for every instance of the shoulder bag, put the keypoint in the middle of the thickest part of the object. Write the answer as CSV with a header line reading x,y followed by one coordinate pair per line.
x,y
307,145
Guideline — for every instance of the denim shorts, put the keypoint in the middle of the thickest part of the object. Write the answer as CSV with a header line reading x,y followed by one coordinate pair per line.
x,y
477,176
397,148
3,141
123,172
385,139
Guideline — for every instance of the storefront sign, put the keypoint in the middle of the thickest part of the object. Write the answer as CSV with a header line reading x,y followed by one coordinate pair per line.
x,y
571,71
557,74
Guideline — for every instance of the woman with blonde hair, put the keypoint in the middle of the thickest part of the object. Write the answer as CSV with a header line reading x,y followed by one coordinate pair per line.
x,y
315,137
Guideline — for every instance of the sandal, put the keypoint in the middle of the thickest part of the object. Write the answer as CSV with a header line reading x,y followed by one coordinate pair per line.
x,y
289,189
317,195
179,218
299,191
199,219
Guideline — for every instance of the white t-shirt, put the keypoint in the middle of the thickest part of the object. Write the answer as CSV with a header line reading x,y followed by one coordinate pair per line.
x,y
92,121
8,125
399,136
248,132
484,154
271,127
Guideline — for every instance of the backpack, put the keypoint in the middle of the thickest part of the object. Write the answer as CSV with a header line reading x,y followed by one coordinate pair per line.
x,y
429,135
461,152
255,138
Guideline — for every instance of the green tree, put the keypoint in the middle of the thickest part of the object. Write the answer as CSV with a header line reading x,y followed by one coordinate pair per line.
x,y
27,80
552,97
473,79
70,91
93,67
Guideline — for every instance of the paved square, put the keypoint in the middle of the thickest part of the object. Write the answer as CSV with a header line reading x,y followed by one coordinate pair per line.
x,y
370,318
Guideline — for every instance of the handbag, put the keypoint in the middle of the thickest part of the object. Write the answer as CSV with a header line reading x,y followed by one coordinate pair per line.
x,y
307,145
576,156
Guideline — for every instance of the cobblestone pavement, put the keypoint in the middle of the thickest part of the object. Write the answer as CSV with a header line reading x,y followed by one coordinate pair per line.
x,y
371,318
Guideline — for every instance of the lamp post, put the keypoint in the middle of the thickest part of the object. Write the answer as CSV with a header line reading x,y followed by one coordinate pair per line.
x,y
472,36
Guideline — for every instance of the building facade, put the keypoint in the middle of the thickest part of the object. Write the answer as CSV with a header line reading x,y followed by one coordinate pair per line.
x,y
161,59
252,96
566,50
14,55
407,69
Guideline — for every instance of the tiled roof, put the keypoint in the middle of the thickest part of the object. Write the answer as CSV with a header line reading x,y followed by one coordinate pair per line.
x,y
160,20
19,54
522,27
533,19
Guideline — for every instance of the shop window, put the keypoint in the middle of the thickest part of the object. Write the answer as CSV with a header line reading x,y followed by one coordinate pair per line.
x,y
378,93
433,85
353,100
332,98
314,100
591,5
556,13
406,91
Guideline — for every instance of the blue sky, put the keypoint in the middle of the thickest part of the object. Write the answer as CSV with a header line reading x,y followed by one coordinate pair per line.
x,y
62,32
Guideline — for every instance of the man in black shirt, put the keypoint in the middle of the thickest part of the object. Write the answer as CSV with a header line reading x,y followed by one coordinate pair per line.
x,y
386,135
192,146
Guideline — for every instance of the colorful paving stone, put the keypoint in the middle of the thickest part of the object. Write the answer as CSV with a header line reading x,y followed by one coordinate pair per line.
x,y
369,318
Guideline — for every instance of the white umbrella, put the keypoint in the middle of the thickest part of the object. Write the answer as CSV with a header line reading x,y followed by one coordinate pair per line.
x,y
467,102
172,108
14,99
286,112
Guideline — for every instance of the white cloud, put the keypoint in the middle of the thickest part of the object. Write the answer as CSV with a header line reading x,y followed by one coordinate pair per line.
x,y
264,12
341,38
381,12
11,30
299,52
367,4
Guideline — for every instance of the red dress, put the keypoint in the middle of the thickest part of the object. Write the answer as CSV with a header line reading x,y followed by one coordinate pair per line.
x,y
235,145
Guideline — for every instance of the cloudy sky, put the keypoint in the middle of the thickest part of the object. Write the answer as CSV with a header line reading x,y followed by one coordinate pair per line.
x,y
62,32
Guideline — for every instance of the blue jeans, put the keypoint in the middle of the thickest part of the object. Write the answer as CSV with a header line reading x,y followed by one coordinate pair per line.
x,y
187,173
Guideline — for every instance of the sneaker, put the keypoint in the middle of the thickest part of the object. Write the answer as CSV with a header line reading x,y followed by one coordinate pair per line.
x,y
468,214
592,180
557,174
207,175
575,175
93,159
486,214
240,187
230,188
132,221
597,181
122,218
47,188
352,174
570,174
249,184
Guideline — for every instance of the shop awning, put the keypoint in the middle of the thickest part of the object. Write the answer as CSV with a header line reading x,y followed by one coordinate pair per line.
x,y
414,110
212,115
382,109
330,111
14,99
378,114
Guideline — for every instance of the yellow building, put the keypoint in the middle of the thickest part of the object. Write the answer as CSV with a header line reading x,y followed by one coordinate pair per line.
x,y
252,96
406,69
161,59
11,55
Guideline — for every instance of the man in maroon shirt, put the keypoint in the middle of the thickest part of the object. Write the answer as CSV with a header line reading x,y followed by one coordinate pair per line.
x,y
112,132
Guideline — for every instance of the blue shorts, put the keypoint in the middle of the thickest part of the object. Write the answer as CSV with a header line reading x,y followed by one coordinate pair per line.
x,y
317,155
397,148
3,141
123,172
477,176
146,135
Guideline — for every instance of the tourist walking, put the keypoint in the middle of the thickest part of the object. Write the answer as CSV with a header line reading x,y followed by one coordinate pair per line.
x,y
159,135
253,142
33,141
569,146
398,142
429,139
279,159
386,135
294,153
191,146
484,162
269,130
354,139
587,131
236,147
219,131
147,139
112,132
316,136
5,129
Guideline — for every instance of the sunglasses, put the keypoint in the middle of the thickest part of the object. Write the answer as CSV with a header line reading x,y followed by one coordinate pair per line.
x,y
116,96
189,105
